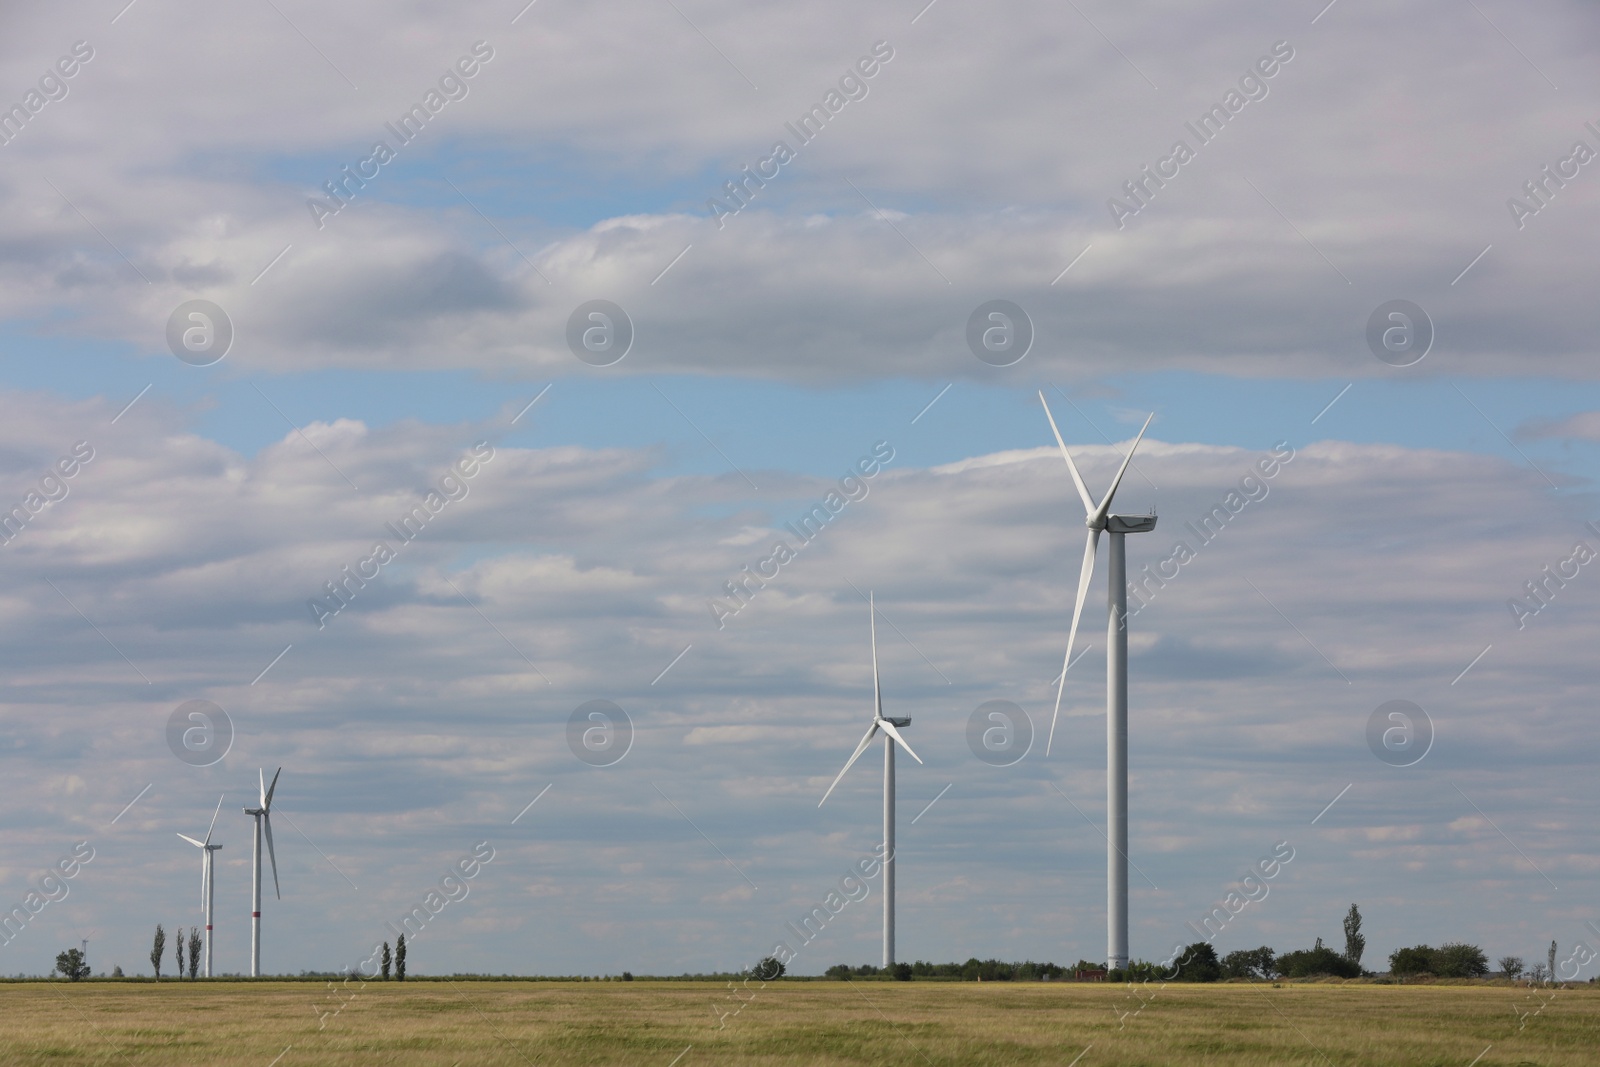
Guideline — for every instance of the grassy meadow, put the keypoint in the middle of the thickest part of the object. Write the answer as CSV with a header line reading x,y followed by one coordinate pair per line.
x,y
659,1024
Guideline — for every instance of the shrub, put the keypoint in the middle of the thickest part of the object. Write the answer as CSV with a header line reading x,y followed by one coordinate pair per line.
x,y
768,969
902,972
1318,960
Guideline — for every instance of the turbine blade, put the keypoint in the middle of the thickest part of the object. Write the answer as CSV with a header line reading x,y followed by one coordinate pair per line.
x,y
889,728
1091,544
877,693
266,799
192,841
1105,505
214,815
266,828
1077,479
862,747
262,775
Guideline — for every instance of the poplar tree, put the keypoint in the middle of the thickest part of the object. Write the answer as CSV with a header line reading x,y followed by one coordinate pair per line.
x,y
1354,943
384,963
400,958
159,950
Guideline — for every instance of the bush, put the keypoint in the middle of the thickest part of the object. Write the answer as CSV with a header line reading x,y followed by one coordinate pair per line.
x,y
1455,959
902,972
1319,960
769,969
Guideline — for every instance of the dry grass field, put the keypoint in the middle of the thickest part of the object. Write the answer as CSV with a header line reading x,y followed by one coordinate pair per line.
x,y
659,1024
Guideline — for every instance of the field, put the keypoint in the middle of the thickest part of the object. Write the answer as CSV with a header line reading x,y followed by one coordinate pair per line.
x,y
919,1023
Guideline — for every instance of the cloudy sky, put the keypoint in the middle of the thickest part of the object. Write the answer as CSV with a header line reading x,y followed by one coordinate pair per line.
x,y
381,321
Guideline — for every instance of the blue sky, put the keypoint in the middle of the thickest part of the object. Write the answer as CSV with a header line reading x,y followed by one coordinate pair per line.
x,y
771,353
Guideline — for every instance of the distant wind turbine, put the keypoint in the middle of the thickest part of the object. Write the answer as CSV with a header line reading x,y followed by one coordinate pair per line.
x,y
207,888
1098,519
891,736
263,817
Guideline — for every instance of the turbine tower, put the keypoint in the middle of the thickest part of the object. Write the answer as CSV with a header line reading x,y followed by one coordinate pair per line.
x,y
263,817
1098,518
891,737
207,889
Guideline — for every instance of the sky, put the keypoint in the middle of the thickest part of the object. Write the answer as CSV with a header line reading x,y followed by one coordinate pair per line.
x,y
798,220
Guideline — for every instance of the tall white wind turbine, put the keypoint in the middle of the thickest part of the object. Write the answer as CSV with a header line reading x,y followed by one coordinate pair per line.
x,y
208,890
1098,519
263,817
891,736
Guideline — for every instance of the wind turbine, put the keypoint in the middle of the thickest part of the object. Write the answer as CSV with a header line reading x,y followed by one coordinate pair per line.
x,y
207,888
891,736
263,816
1098,518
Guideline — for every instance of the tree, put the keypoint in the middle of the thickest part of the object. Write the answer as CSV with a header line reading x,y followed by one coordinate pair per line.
x,y
1317,960
1511,966
194,950
1538,974
1459,960
159,950
1417,959
1250,963
72,964
400,958
116,972
902,972
177,949
768,969
1199,963
1354,943
383,964
1551,969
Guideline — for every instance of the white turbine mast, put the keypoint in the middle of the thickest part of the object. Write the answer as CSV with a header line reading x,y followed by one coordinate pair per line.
x,y
263,817
207,888
891,736
1098,519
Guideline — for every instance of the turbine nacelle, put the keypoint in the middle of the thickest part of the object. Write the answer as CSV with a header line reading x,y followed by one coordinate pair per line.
x,y
1127,524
